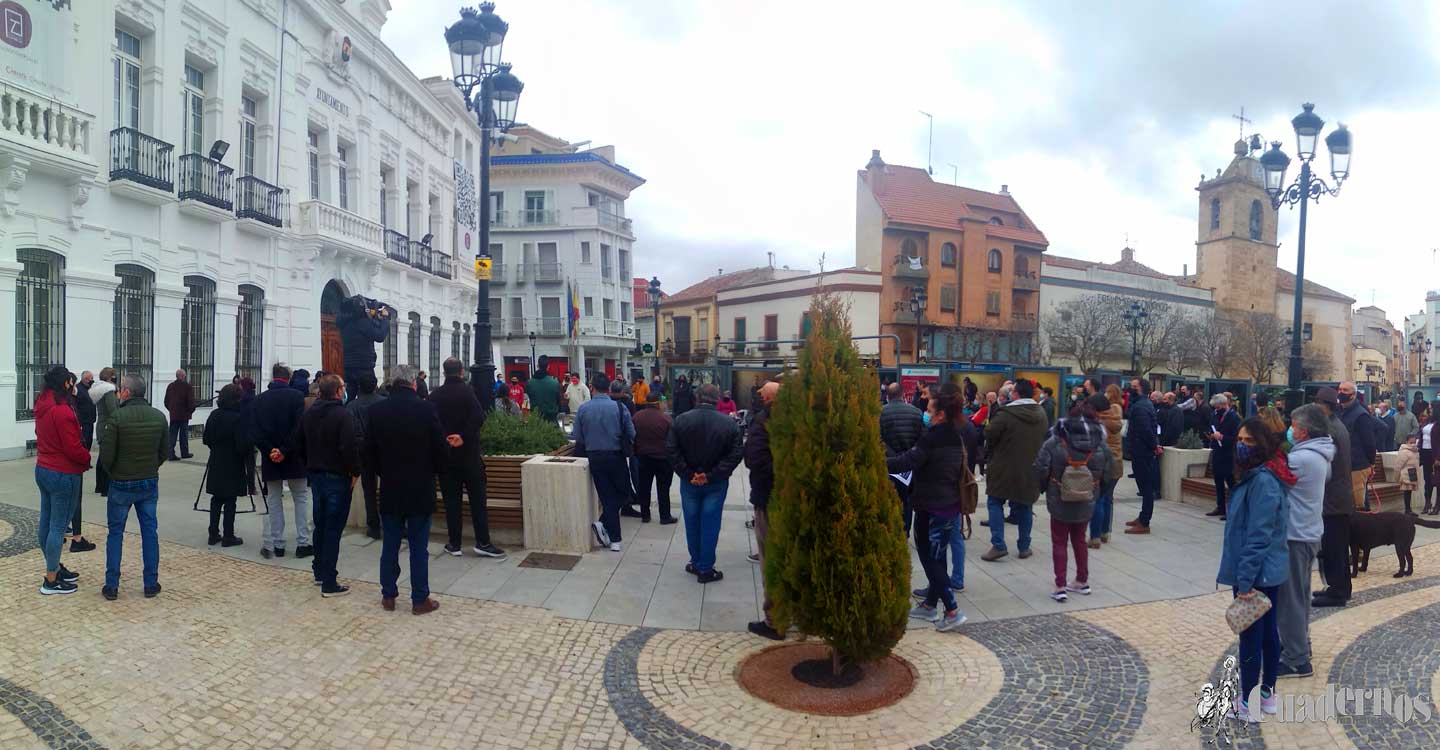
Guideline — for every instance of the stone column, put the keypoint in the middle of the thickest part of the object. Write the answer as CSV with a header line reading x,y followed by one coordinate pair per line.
x,y
165,355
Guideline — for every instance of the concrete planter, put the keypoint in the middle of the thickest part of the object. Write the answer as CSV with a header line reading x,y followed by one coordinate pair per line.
x,y
560,504
1177,464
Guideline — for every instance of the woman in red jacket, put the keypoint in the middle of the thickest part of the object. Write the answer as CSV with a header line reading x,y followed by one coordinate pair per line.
x,y
61,460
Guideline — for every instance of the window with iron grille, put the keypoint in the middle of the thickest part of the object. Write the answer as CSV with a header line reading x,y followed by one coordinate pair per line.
x,y
250,332
465,343
435,347
39,323
412,342
134,332
455,342
390,348
197,338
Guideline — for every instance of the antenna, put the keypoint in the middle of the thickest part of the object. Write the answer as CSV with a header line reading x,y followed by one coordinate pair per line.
x,y
954,175
930,143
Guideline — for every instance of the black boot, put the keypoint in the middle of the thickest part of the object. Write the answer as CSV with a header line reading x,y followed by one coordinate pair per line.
x,y
215,505
1408,512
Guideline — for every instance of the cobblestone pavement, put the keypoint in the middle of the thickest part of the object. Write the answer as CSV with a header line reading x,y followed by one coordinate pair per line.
x,y
236,654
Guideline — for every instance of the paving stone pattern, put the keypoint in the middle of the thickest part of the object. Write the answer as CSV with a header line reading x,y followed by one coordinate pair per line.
x,y
1401,655
45,719
17,530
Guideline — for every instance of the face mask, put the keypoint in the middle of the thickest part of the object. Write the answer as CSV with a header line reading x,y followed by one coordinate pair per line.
x,y
1290,435
1345,397
1242,452
925,417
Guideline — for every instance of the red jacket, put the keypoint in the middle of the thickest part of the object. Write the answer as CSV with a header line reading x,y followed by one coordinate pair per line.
x,y
57,437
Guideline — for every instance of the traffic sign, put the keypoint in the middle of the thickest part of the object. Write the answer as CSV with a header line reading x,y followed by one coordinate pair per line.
x,y
648,349
482,269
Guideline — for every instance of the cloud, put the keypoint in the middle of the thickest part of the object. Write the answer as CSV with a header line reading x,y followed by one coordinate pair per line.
x,y
749,119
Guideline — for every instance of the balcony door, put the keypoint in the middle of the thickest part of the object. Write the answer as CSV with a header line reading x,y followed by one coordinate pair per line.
x,y
332,354
682,335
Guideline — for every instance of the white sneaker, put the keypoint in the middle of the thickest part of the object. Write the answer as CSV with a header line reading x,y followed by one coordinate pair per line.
x,y
614,546
601,535
1078,588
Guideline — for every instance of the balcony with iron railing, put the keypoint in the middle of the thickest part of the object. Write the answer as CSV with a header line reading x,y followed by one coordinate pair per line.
x,y
444,266
1024,321
515,325
1028,281
613,328
206,181
498,273
420,256
910,267
47,129
397,246
539,217
594,216
552,326
542,273
338,226
142,159
259,200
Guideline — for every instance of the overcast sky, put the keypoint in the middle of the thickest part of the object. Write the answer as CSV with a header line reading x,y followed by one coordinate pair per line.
x,y
749,119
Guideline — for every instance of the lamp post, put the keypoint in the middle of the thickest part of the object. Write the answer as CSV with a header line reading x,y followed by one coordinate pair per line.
x,y
475,42
1420,347
1135,318
1308,187
533,362
653,290
918,300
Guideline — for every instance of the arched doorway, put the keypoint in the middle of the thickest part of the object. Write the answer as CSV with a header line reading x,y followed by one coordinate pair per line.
x,y
332,353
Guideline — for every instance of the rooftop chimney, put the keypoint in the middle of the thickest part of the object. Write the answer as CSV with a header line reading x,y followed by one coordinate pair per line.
x,y
875,169
1185,271
1004,189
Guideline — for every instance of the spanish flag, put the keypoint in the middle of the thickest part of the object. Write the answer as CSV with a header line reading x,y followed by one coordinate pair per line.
x,y
573,311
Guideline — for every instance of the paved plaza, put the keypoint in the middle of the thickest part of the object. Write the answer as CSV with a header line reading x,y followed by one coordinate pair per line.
x,y
627,651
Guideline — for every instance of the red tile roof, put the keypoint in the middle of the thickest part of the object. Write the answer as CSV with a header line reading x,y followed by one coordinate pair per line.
x,y
1285,282
708,287
1132,267
909,196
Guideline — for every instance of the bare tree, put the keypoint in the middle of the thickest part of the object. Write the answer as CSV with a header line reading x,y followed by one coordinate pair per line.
x,y
1260,344
1087,329
1187,346
1155,333
1214,335
1315,363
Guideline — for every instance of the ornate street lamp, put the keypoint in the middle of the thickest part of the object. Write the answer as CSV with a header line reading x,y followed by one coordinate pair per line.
x,y
653,292
1135,318
918,300
475,42
1308,187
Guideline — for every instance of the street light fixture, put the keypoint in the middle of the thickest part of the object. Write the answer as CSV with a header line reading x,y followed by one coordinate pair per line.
x,y
653,291
475,42
533,363
918,301
1308,187
1135,318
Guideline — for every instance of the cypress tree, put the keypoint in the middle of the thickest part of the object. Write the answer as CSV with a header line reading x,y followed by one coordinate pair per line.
x,y
836,563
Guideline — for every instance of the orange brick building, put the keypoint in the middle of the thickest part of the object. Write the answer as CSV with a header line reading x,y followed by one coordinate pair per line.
x,y
976,254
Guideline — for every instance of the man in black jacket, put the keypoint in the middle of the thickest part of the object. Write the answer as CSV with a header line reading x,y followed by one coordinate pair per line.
x,y
276,420
462,417
407,448
359,407
330,446
900,426
1145,450
1222,434
704,447
1335,514
363,324
86,412
1172,421
1360,423
762,482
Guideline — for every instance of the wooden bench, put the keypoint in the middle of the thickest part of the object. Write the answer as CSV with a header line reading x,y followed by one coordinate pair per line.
x,y
1205,486
502,491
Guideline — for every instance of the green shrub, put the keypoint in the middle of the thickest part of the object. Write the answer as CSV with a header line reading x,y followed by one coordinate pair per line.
x,y
1191,440
836,564
507,435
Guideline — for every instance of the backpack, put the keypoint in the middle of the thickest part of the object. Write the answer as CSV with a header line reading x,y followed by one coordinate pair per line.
x,y
1077,484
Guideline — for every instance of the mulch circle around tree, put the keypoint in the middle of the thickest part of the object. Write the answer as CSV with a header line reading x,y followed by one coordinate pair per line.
x,y
797,677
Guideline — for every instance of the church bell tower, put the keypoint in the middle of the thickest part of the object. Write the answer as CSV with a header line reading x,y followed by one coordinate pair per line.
x,y
1236,248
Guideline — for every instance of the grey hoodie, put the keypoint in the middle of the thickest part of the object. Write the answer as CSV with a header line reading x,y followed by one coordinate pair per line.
x,y
1310,462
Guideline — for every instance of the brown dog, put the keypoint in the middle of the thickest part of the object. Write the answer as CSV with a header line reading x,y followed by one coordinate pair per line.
x,y
1371,530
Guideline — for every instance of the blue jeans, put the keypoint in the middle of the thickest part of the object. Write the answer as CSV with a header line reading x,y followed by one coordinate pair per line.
x,y
1147,471
1023,513
1104,510
144,494
416,529
180,431
703,507
933,535
957,554
1260,647
59,492
331,495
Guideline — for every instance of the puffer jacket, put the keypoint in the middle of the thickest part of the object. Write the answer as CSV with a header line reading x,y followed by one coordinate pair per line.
x,y
1255,551
900,426
1013,440
135,441
1113,420
938,460
1074,439
1408,461
57,437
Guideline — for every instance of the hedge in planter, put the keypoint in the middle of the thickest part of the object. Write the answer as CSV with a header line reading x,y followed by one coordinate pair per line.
x,y
509,435
836,564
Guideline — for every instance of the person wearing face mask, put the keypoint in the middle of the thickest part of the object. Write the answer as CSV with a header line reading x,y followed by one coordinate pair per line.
x,y
1406,425
901,425
1145,453
1361,425
1224,426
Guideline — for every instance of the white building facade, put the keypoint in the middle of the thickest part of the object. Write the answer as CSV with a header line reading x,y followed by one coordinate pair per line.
x,y
562,247
124,243
779,310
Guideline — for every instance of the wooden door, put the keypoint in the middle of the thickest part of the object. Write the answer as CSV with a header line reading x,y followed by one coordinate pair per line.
x,y
332,354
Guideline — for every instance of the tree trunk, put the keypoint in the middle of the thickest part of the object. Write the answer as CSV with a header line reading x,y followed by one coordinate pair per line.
x,y
837,665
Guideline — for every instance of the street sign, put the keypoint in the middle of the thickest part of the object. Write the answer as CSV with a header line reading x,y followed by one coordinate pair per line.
x,y
482,269
648,349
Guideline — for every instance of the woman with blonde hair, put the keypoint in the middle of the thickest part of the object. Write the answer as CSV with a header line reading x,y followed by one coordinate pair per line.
x,y
1112,417
1272,419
